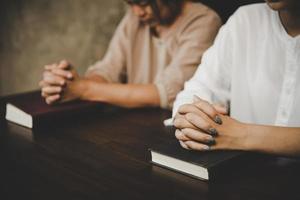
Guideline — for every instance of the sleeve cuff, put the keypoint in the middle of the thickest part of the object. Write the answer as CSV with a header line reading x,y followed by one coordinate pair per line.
x,y
162,96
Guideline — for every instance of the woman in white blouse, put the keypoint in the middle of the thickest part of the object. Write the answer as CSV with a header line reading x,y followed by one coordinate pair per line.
x,y
252,71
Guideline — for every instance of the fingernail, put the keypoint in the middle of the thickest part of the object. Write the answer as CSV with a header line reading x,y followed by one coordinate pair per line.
x,y
218,120
69,75
211,141
213,131
206,148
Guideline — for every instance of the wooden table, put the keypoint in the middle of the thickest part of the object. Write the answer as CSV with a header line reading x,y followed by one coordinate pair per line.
x,y
104,156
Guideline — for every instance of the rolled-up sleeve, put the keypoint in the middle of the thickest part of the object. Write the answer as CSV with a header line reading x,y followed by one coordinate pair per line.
x,y
114,61
195,38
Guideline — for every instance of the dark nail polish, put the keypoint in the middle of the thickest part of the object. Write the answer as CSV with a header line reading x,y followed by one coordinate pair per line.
x,y
213,131
218,120
211,141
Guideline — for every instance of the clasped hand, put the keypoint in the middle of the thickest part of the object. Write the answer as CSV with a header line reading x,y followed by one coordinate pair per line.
x,y
58,82
202,126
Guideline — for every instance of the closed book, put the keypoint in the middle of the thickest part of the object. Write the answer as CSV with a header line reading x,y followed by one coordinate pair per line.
x,y
30,110
205,165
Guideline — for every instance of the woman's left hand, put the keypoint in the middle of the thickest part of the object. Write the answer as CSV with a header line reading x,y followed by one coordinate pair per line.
x,y
201,127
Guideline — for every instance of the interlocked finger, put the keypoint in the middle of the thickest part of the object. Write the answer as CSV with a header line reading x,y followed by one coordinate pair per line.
x,y
50,67
52,99
181,122
51,79
64,65
184,145
199,122
197,146
191,108
51,90
208,109
63,73
222,109
180,136
198,136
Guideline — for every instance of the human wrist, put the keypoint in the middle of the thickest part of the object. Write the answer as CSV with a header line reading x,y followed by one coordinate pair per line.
x,y
90,90
247,140
233,134
241,130
80,88
253,137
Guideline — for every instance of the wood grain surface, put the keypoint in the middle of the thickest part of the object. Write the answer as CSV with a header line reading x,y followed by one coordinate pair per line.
x,y
105,156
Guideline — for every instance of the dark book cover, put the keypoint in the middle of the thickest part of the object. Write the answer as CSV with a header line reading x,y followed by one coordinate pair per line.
x,y
2,110
43,114
217,163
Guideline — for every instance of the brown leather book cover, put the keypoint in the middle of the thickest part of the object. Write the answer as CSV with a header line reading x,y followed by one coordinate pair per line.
x,y
42,114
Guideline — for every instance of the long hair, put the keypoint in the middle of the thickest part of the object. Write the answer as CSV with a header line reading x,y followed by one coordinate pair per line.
x,y
174,6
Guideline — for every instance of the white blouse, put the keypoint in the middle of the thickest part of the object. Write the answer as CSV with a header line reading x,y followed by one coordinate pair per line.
x,y
253,67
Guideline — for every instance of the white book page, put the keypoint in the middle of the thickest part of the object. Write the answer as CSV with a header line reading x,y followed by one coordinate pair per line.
x,y
18,116
180,165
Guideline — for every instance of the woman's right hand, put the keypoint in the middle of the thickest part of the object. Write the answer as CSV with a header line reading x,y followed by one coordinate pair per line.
x,y
55,79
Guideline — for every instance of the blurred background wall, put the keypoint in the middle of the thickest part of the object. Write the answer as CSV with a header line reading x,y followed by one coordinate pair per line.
x,y
38,32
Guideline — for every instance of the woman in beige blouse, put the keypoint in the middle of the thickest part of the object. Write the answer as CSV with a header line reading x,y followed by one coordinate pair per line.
x,y
157,46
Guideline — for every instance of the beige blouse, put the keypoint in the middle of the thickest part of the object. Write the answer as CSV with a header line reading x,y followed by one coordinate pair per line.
x,y
166,62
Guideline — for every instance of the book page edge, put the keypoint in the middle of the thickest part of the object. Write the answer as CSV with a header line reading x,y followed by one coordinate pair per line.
x,y
185,167
18,116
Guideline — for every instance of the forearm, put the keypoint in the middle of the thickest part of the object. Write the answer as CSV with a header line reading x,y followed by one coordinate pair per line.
x,y
126,95
274,140
96,78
